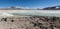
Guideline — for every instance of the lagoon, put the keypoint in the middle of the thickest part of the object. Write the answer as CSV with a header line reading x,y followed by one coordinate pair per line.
x,y
30,13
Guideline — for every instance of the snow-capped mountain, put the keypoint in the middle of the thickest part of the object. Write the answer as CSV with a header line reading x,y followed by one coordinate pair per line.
x,y
52,8
15,8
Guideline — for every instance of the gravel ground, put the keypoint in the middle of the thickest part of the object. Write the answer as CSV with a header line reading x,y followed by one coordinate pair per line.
x,y
33,22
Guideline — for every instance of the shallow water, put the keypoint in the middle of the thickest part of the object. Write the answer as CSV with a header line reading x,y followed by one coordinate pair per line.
x,y
31,13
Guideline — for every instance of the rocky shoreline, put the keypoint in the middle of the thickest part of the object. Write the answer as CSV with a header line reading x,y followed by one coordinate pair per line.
x,y
33,22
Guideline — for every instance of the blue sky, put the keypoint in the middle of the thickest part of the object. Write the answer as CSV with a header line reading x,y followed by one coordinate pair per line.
x,y
29,3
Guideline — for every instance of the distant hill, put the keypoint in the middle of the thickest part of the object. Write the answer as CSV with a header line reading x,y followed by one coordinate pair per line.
x,y
52,8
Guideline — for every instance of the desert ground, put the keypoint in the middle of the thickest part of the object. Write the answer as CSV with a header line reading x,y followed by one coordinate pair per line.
x,y
32,22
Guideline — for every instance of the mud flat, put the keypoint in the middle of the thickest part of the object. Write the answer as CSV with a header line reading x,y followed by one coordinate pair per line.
x,y
32,22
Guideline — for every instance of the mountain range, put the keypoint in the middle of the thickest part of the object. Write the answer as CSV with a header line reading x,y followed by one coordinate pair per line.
x,y
52,8
26,8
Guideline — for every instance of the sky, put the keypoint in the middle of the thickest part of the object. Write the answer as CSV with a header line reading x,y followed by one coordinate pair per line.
x,y
29,3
